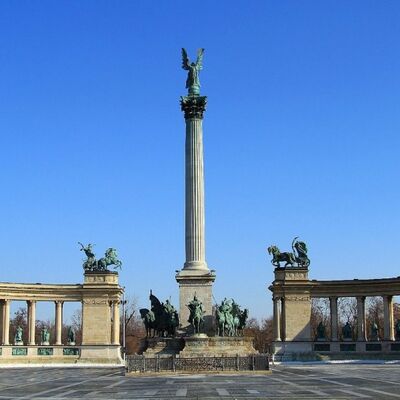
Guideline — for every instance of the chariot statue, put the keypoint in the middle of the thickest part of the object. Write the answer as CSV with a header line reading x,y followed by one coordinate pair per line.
x,y
297,258
92,264
192,81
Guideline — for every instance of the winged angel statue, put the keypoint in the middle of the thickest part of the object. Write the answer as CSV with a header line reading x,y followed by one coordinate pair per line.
x,y
192,81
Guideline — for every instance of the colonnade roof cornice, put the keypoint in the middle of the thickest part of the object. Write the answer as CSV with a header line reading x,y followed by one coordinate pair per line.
x,y
338,288
57,292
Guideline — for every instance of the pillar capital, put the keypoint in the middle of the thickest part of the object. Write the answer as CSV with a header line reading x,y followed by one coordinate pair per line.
x,y
193,106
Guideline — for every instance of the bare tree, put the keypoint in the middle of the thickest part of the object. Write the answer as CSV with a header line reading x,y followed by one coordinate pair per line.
x,y
134,328
261,332
374,314
347,312
320,312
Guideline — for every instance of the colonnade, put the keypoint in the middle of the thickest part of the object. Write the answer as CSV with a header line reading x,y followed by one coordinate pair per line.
x,y
388,328
31,322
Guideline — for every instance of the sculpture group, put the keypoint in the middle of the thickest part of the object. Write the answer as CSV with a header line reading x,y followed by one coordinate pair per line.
x,y
230,319
297,258
92,264
161,320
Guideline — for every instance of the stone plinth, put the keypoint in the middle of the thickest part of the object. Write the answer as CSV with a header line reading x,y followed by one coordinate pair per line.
x,y
199,283
163,346
203,346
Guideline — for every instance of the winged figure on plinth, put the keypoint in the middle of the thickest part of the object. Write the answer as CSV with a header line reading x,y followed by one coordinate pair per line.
x,y
192,81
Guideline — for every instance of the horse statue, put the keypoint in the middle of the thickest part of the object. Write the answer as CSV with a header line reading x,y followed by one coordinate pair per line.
x,y
148,318
226,318
110,258
196,317
298,258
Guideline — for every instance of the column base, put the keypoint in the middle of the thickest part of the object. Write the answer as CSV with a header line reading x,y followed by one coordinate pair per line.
x,y
197,282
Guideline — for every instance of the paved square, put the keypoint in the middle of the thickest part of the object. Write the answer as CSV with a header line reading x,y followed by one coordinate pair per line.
x,y
294,382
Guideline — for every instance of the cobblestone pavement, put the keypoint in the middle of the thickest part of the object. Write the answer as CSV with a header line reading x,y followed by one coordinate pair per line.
x,y
285,382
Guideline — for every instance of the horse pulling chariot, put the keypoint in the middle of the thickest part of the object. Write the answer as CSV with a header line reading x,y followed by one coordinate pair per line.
x,y
298,258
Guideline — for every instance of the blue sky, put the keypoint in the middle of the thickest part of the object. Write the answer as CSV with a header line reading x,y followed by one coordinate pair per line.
x,y
301,138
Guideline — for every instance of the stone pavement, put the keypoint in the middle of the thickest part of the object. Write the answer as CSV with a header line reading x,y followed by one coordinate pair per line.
x,y
337,381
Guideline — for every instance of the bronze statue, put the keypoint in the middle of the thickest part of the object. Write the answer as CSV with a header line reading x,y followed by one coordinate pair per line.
x,y
231,320
71,337
162,320
192,81
91,264
321,331
298,258
196,317
347,331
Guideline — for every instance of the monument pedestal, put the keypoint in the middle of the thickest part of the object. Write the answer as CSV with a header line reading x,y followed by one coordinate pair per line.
x,y
217,346
199,283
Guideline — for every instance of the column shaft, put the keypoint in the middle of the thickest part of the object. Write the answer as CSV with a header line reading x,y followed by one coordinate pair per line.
x,y
194,196
283,320
277,320
388,318
59,320
361,334
116,323
334,318
31,322
6,322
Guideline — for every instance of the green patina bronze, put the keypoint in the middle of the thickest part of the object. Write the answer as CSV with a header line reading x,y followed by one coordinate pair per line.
x,y
45,351
19,351
192,81
231,320
321,331
347,331
18,336
298,258
71,337
71,351
162,320
374,331
101,265
45,335
196,316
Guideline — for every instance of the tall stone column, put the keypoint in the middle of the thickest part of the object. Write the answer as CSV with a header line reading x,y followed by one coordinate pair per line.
x,y
116,322
31,321
195,277
6,322
388,327
361,333
334,318
59,319
277,320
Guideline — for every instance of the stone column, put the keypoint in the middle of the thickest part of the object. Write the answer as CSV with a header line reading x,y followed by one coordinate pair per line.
x,y
277,320
388,327
194,106
283,319
195,276
334,318
116,323
59,320
361,318
6,322
31,321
